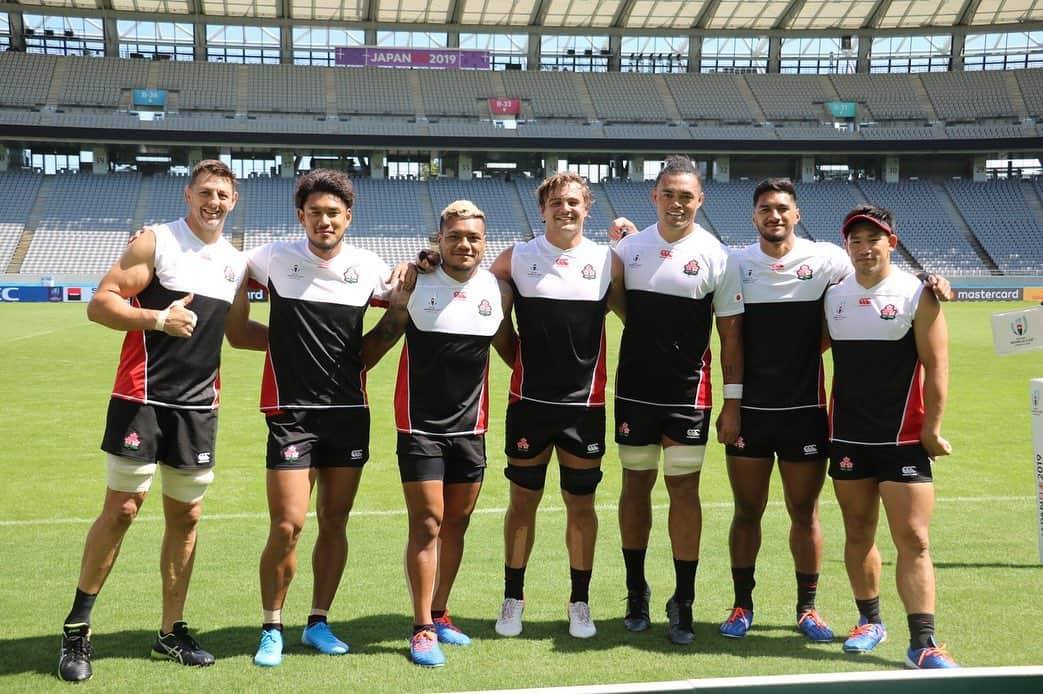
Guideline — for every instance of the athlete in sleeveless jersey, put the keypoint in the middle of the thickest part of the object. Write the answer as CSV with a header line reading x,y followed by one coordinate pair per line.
x,y
561,285
443,385
560,300
159,369
782,323
185,288
890,382
313,396
679,281
673,291
317,309
450,320
865,326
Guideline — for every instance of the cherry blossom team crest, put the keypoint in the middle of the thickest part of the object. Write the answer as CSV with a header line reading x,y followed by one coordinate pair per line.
x,y
485,308
740,443
692,267
624,429
846,463
229,274
290,454
588,272
523,444
131,441
889,312
351,275
804,273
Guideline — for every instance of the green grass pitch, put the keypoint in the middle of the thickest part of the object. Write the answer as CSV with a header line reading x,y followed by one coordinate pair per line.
x,y
56,374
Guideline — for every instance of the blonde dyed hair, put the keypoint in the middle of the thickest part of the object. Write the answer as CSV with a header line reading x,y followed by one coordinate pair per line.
x,y
460,209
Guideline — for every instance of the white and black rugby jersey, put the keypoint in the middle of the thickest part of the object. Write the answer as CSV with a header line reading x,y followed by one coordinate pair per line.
x,y
877,375
158,369
559,306
673,290
314,355
782,326
443,372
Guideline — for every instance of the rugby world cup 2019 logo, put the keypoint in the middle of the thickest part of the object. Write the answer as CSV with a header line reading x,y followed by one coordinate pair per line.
x,y
1019,327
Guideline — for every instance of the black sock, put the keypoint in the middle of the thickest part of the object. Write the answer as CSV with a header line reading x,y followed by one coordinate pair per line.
x,y
744,583
514,583
417,628
435,614
870,609
271,625
316,618
684,579
921,630
82,605
634,559
807,586
580,585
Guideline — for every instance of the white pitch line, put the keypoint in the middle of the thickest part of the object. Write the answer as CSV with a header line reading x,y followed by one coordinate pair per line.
x,y
28,522
29,336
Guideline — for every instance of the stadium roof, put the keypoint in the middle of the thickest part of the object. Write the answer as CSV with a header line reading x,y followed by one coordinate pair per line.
x,y
582,16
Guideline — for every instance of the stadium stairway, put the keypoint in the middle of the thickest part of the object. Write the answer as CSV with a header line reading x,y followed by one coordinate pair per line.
x,y
669,103
427,209
954,213
518,213
330,92
589,112
1033,200
1017,99
416,93
144,195
242,91
20,251
751,101
61,69
925,101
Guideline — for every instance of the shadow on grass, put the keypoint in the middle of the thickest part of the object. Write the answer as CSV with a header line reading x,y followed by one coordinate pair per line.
x,y
984,565
389,634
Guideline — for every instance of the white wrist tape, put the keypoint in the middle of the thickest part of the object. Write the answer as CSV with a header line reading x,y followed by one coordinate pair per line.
x,y
733,391
161,320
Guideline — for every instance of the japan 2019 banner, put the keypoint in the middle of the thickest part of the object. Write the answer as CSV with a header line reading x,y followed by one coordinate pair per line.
x,y
437,58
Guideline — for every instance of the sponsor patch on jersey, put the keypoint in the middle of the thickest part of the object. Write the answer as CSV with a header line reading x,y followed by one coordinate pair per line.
x,y
804,272
666,253
351,275
778,267
459,294
810,449
588,272
356,454
692,433
593,448
846,463
132,441
523,444
691,267
888,312
229,274
562,261
485,308
203,458
865,301
290,454
909,471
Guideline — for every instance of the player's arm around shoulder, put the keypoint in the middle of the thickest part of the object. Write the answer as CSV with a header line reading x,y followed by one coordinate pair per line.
x,y
243,333
729,330
617,291
932,348
129,276
391,326
505,341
